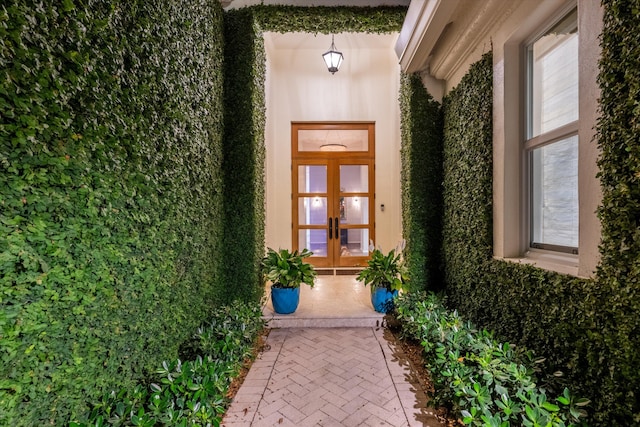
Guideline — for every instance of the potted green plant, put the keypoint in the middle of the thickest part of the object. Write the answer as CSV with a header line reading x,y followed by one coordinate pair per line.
x,y
387,274
286,271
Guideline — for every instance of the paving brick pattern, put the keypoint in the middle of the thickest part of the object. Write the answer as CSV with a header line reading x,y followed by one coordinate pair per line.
x,y
329,377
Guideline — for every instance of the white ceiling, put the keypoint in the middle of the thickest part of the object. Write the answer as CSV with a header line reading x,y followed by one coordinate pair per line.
x,y
322,42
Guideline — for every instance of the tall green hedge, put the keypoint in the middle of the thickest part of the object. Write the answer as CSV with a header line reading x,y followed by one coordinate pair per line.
x,y
421,175
245,123
468,159
110,194
244,155
618,137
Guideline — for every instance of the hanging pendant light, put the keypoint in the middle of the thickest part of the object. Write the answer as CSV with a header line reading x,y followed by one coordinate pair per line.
x,y
333,58
333,147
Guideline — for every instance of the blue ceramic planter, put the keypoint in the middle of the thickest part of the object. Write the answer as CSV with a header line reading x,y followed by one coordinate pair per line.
x,y
285,300
382,299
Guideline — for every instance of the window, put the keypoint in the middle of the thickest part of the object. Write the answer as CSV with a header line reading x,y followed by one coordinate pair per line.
x,y
552,137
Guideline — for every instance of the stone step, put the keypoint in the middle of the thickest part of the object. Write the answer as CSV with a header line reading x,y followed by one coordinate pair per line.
x,y
276,321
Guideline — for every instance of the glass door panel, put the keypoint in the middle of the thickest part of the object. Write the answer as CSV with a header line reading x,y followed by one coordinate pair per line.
x,y
312,178
314,240
354,178
312,210
354,242
333,140
354,210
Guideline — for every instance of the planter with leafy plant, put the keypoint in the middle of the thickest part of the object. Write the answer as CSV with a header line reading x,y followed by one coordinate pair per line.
x,y
387,274
286,271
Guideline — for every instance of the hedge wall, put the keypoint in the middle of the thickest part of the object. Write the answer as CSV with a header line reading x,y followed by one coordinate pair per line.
x,y
421,175
327,20
618,137
244,155
468,159
110,194
244,127
588,329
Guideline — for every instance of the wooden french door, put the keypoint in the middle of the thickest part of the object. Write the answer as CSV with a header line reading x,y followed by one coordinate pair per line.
x,y
333,191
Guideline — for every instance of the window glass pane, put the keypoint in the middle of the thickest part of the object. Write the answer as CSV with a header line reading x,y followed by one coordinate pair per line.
x,y
354,242
333,140
312,210
553,86
314,240
312,179
555,193
354,178
354,210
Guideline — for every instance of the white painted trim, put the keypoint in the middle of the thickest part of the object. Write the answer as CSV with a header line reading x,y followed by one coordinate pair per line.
x,y
423,25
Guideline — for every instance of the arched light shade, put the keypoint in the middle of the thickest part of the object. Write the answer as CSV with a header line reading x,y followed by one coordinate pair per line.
x,y
333,147
333,58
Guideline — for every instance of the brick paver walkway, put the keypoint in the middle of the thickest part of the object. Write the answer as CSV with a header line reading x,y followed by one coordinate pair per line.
x,y
329,377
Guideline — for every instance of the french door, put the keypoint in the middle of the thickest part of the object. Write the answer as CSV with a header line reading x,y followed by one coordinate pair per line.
x,y
333,191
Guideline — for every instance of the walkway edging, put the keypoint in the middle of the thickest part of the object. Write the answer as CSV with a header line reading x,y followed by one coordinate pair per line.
x,y
413,397
245,403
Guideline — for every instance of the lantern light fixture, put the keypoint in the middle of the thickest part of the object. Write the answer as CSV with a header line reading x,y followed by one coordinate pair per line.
x,y
332,58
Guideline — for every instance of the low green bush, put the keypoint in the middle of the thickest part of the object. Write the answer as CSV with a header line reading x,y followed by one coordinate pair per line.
x,y
192,392
388,271
487,382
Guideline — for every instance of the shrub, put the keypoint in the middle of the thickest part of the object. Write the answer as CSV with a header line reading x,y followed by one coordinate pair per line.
x,y
288,269
193,392
487,382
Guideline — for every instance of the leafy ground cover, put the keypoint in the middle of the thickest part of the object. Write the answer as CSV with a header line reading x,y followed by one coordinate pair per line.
x,y
481,381
194,389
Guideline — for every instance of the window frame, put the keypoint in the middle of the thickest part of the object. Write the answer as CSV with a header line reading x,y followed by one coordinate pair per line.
x,y
530,143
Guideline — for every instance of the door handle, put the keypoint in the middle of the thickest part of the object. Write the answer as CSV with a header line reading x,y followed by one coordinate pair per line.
x,y
337,234
330,228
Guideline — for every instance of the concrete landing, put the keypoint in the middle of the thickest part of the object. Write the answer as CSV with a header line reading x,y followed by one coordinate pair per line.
x,y
334,302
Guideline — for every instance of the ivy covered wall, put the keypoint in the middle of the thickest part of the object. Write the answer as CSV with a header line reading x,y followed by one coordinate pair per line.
x,y
618,137
110,194
588,329
468,159
421,175
244,155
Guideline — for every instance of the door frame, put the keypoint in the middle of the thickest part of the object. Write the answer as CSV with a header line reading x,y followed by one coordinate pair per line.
x,y
333,160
